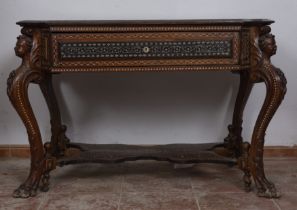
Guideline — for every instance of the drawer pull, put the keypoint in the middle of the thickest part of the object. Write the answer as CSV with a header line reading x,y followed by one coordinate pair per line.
x,y
146,49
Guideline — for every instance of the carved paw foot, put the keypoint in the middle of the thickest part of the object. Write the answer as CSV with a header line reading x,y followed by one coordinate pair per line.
x,y
247,182
24,191
29,187
45,182
267,189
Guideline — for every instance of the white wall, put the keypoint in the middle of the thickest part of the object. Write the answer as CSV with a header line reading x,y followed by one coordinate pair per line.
x,y
150,108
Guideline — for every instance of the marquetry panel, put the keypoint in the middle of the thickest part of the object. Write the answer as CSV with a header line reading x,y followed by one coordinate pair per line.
x,y
91,50
148,49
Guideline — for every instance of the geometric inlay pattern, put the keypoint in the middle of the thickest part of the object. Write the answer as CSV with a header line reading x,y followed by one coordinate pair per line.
x,y
146,49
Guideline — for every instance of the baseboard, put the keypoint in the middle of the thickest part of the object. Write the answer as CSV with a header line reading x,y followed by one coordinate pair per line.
x,y
23,151
280,151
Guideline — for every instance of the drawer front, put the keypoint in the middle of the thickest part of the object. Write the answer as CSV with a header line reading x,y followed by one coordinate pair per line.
x,y
95,50
148,50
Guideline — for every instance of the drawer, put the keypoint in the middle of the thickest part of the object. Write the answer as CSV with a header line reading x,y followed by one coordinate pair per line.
x,y
91,50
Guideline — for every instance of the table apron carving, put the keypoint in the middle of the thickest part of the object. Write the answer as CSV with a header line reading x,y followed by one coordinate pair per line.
x,y
241,46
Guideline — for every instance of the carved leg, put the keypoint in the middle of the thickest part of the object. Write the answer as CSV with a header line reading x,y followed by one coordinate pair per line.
x,y
276,88
243,163
58,138
59,141
18,82
45,181
50,164
234,140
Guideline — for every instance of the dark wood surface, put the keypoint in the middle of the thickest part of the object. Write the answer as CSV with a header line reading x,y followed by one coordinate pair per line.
x,y
240,46
175,153
46,23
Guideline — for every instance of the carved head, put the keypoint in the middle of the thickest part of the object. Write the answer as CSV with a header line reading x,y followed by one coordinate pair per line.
x,y
267,44
23,45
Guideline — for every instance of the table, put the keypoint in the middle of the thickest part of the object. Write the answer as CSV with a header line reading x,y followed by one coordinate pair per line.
x,y
51,47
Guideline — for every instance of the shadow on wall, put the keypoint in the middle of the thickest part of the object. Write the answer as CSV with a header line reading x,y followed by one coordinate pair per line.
x,y
146,107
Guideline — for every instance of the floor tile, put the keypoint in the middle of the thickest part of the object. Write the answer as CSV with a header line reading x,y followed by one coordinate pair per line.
x,y
158,201
81,201
234,201
10,180
283,173
158,177
155,183
213,178
86,178
288,201
14,165
148,185
7,202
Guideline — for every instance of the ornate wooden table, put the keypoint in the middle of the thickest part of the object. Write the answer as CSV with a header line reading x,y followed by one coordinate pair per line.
x,y
239,46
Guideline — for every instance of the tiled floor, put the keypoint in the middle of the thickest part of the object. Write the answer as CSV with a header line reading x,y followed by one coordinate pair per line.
x,y
148,185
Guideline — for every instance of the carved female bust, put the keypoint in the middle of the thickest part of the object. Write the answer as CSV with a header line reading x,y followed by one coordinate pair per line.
x,y
23,46
268,45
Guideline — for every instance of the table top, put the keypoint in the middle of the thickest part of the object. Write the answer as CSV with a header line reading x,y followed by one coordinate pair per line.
x,y
48,23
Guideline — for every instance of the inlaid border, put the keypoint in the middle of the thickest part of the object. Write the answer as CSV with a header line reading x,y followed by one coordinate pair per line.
x,y
141,28
146,49
166,36
152,69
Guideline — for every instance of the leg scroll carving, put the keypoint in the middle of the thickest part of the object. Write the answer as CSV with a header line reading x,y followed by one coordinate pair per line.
x,y
17,90
275,82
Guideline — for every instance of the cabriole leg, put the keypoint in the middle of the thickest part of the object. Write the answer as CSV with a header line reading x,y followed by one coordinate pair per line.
x,y
275,82
276,89
18,82
27,47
